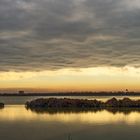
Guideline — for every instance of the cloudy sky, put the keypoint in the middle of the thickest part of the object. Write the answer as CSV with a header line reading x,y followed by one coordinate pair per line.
x,y
70,44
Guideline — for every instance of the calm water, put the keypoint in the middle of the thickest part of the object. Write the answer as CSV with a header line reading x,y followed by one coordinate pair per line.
x,y
20,100
18,123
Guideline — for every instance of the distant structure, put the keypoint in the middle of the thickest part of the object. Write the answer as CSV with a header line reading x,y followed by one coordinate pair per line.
x,y
127,91
21,92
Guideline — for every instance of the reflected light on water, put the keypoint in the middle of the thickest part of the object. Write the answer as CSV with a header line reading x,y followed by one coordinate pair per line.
x,y
19,113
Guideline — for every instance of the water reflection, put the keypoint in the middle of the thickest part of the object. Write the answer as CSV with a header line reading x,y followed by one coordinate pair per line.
x,y
83,110
1,107
20,113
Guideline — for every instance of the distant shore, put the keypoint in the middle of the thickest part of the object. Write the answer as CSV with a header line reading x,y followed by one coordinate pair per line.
x,y
75,94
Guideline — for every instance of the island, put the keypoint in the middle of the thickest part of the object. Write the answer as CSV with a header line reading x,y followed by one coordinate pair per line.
x,y
82,103
1,105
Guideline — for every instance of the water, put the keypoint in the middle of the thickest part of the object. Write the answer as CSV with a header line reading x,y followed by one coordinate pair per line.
x,y
20,100
18,123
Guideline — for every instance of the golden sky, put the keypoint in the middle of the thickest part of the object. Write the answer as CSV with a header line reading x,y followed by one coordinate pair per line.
x,y
84,79
70,45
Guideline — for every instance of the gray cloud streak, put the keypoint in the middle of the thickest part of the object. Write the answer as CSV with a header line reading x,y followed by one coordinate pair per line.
x,y
55,34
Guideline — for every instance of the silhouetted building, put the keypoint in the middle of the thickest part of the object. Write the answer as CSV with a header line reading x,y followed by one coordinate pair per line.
x,y
21,92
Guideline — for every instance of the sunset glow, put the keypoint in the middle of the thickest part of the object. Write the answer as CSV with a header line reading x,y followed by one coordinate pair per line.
x,y
82,79
69,45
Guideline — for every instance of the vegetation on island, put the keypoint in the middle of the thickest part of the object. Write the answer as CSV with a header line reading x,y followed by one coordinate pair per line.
x,y
82,103
1,105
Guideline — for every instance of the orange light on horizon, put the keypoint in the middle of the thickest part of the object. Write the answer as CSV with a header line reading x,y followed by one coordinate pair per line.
x,y
80,79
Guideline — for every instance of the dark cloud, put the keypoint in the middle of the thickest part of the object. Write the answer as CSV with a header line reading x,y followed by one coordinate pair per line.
x,y
54,34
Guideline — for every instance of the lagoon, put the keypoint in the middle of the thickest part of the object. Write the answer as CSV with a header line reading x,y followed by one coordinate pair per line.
x,y
18,123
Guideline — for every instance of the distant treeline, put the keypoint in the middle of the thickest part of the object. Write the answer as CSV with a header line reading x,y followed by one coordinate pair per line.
x,y
120,93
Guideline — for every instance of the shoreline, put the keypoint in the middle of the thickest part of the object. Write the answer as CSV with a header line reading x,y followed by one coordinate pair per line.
x,y
75,94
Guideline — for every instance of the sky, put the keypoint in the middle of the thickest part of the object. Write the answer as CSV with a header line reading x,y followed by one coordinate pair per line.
x,y
70,45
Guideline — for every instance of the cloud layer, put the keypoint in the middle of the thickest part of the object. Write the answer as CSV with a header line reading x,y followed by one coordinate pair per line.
x,y
57,34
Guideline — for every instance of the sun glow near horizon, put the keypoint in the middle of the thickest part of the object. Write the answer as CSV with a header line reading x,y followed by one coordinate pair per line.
x,y
74,79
